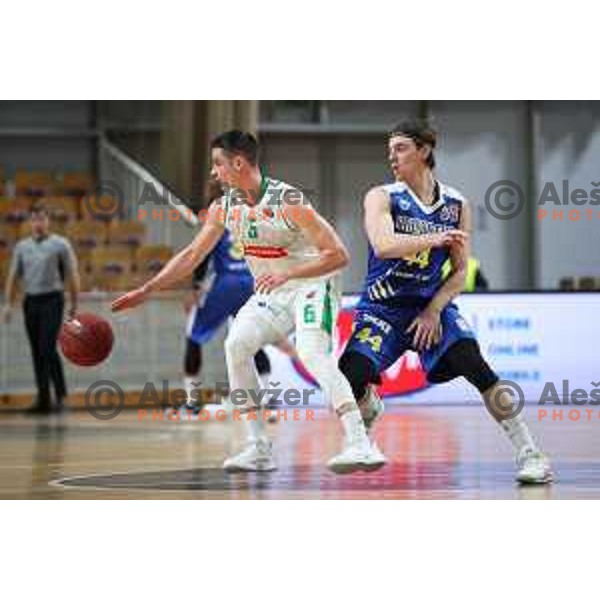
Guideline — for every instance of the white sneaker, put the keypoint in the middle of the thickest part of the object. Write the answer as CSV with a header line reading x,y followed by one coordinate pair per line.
x,y
355,457
372,407
534,467
378,454
256,456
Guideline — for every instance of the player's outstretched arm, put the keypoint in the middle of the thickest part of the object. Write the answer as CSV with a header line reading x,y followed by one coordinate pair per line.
x,y
332,253
388,244
180,266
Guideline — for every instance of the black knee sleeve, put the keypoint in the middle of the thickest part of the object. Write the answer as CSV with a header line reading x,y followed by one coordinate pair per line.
x,y
359,370
464,359
262,362
193,358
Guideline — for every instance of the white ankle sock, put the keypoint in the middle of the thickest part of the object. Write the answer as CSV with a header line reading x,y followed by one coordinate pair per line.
x,y
354,428
518,433
189,388
255,428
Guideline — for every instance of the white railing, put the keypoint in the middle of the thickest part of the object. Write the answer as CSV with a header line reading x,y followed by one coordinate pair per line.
x,y
172,224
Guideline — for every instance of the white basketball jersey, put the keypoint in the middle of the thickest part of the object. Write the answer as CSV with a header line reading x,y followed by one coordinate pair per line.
x,y
269,241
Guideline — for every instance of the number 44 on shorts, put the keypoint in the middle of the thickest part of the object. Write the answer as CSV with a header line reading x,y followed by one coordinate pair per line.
x,y
365,336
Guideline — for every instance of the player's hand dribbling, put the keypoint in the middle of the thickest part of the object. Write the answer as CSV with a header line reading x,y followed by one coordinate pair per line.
x,y
264,284
449,238
129,300
427,329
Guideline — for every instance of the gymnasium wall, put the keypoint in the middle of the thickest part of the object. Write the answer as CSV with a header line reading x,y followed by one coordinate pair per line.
x,y
481,143
568,147
46,135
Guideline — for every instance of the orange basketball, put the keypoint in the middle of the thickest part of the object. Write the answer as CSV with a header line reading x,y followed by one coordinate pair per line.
x,y
86,340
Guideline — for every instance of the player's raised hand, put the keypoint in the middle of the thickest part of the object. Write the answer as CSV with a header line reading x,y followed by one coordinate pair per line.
x,y
264,284
427,330
450,237
129,300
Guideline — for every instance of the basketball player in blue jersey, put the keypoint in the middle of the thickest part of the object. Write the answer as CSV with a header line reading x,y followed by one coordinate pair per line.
x,y
414,225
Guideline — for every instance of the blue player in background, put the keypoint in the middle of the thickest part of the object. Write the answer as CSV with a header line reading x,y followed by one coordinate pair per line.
x,y
414,225
223,284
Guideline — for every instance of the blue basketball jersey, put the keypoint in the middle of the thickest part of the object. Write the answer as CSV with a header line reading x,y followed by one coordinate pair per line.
x,y
229,286
420,275
226,257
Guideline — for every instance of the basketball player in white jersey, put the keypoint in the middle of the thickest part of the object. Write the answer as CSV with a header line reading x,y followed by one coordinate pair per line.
x,y
294,255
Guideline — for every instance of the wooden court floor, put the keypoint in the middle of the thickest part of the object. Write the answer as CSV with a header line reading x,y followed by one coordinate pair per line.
x,y
434,452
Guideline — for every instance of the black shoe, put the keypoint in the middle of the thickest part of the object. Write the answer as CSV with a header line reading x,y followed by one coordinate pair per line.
x,y
190,407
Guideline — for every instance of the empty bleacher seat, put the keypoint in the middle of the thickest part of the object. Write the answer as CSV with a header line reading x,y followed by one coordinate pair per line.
x,y
126,233
101,208
9,234
150,260
15,211
34,183
62,208
112,268
77,184
86,234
